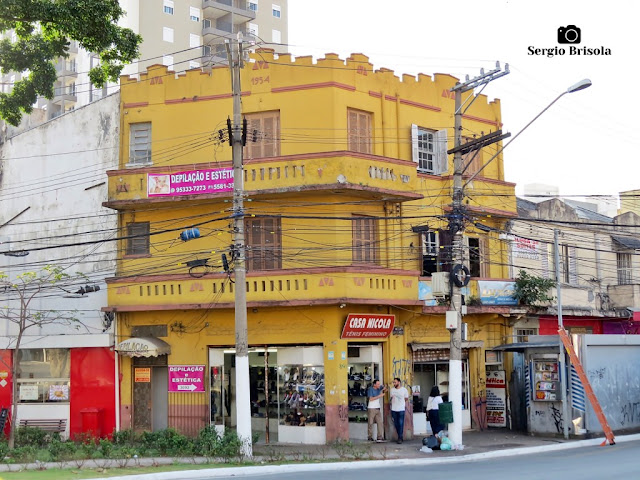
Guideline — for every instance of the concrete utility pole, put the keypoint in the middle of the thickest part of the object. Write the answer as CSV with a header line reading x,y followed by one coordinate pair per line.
x,y
562,366
243,402
459,272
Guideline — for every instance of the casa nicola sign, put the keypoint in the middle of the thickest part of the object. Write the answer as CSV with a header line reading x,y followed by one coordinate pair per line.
x,y
364,325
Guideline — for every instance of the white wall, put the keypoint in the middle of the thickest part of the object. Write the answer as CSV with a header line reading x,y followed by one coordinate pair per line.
x,y
57,172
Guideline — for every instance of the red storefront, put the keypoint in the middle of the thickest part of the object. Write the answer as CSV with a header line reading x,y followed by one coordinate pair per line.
x,y
87,397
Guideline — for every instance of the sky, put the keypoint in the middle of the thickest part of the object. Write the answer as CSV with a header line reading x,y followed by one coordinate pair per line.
x,y
586,143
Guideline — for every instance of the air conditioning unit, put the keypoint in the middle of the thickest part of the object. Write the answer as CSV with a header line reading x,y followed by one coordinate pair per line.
x,y
440,284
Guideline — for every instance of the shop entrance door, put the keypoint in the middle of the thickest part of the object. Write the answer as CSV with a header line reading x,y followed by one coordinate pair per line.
x,y
150,393
429,374
160,398
365,365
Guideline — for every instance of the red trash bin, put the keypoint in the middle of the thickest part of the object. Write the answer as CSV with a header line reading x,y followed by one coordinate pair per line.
x,y
92,421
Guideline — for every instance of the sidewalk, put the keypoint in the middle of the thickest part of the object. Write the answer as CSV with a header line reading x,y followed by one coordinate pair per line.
x,y
473,441
478,446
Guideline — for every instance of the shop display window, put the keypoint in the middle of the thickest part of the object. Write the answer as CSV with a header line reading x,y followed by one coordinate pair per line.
x,y
301,395
43,375
546,381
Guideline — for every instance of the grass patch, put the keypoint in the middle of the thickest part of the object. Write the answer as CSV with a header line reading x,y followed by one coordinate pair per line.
x,y
74,473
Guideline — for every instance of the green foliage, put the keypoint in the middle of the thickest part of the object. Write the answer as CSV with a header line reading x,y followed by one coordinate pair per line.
x,y
533,290
167,442
43,29
124,437
210,444
26,454
61,451
29,436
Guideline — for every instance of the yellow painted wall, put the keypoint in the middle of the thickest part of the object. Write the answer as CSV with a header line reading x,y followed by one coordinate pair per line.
x,y
312,98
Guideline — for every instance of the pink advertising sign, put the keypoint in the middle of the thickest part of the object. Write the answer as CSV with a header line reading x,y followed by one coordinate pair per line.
x,y
186,378
193,182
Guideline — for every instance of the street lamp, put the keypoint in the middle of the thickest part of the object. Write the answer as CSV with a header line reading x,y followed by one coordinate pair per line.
x,y
581,85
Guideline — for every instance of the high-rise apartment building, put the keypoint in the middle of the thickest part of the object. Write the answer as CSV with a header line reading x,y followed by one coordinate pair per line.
x,y
182,34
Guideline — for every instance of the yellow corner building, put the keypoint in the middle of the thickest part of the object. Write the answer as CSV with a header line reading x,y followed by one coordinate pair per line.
x,y
347,187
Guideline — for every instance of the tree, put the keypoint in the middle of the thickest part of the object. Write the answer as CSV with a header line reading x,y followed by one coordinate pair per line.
x,y
532,290
19,295
43,30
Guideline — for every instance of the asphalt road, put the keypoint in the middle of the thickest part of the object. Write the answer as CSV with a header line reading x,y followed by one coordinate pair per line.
x,y
617,461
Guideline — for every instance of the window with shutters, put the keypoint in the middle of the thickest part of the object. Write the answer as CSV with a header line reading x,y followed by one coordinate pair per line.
x,y
359,126
264,244
623,262
478,257
430,249
138,238
140,143
168,7
263,135
472,161
429,150
568,265
365,240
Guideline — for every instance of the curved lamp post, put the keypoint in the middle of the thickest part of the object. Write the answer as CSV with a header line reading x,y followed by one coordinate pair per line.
x,y
581,85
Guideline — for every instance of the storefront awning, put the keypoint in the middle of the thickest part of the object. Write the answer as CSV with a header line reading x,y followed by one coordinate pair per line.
x,y
439,351
444,345
522,346
143,347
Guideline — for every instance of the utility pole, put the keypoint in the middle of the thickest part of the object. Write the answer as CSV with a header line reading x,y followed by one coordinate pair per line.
x,y
243,403
562,367
459,272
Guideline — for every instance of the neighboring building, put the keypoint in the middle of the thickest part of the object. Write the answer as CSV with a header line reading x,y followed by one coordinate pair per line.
x,y
182,34
598,266
348,186
52,184
630,201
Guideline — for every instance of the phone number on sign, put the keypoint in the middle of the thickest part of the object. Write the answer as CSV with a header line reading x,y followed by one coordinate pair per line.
x,y
194,188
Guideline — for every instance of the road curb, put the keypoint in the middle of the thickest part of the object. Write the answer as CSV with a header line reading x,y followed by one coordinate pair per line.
x,y
341,466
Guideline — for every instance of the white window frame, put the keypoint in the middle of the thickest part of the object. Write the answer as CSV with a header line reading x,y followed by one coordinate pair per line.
x,y
624,267
194,14
140,143
194,40
253,5
253,29
276,11
276,36
168,61
168,7
429,150
167,34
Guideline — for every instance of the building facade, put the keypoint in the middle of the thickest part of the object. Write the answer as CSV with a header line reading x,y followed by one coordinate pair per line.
x,y
52,184
598,266
347,184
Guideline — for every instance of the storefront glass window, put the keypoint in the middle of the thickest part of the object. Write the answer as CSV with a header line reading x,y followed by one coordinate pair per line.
x,y
301,389
43,375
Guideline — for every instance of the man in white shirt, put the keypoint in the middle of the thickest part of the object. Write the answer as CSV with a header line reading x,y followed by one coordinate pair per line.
x,y
399,399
